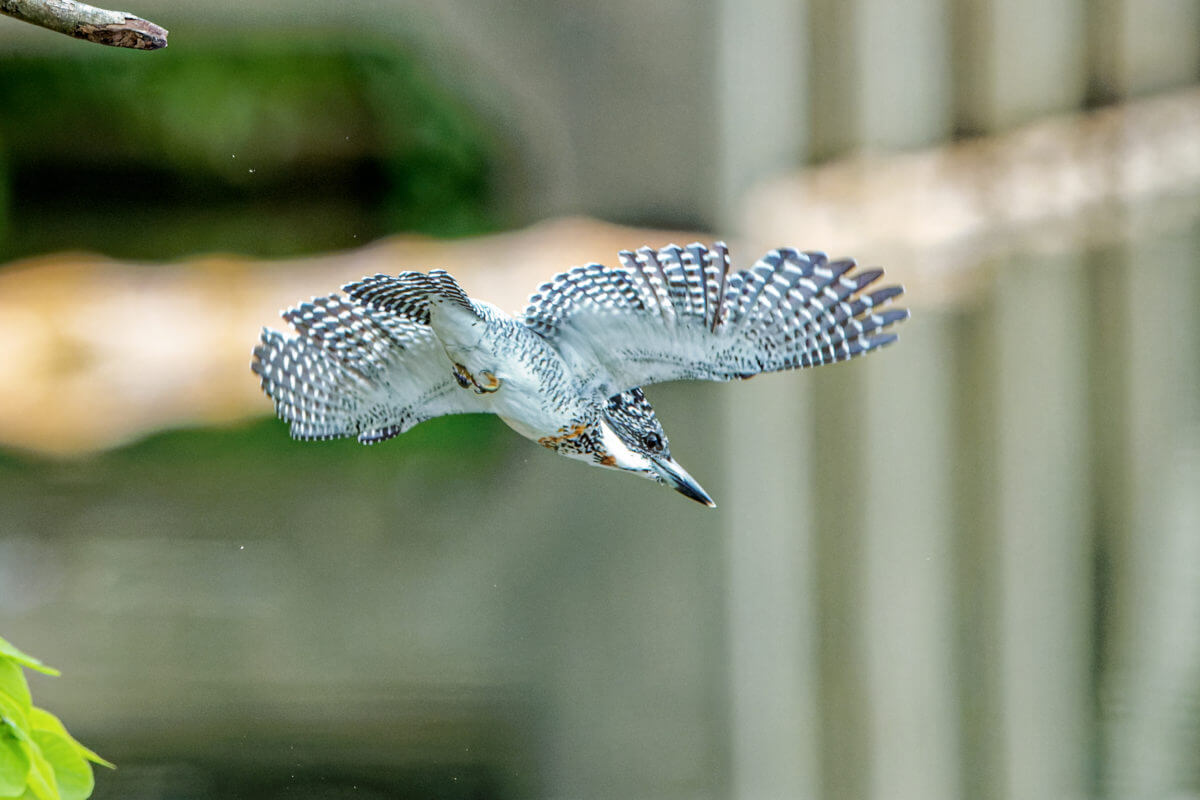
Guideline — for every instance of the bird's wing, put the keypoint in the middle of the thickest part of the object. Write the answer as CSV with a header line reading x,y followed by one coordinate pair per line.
x,y
680,313
356,370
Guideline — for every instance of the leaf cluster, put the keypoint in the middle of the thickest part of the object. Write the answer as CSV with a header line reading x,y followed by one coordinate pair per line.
x,y
39,760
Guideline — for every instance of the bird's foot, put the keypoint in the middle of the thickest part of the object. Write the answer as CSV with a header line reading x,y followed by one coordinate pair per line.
x,y
490,383
466,380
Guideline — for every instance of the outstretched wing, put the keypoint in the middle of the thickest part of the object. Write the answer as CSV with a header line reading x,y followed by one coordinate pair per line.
x,y
680,313
356,370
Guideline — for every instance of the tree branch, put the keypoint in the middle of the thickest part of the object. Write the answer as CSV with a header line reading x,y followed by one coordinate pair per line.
x,y
115,28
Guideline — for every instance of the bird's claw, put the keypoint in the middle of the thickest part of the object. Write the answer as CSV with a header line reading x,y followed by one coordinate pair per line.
x,y
466,380
490,383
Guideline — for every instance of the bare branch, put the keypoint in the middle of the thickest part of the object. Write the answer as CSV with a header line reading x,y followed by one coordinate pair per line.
x,y
115,28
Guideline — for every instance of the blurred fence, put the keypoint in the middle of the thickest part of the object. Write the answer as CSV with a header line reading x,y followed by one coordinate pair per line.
x,y
993,531
992,540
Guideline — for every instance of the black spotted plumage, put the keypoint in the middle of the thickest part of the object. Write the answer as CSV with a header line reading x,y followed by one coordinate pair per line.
x,y
393,351
353,370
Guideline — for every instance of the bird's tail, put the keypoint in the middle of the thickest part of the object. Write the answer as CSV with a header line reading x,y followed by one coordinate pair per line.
x,y
312,391
410,294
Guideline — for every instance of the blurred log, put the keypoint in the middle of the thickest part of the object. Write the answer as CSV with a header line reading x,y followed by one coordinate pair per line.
x,y
99,25
96,352
937,217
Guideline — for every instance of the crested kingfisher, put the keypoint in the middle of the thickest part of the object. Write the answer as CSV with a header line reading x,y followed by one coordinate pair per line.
x,y
389,351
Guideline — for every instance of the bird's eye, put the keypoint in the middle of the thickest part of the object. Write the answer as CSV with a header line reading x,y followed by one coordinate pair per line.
x,y
652,441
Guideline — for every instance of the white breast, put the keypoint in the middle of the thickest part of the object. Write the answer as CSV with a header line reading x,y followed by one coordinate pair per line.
x,y
534,397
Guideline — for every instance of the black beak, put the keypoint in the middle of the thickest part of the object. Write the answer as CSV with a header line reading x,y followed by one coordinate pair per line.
x,y
677,478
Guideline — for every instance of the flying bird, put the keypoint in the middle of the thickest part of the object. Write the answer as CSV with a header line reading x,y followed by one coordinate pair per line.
x,y
389,352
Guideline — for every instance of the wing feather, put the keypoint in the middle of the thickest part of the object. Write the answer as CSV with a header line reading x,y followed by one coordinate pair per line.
x,y
356,370
682,313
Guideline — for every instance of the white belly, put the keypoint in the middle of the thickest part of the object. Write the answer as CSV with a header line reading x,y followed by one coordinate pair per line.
x,y
534,395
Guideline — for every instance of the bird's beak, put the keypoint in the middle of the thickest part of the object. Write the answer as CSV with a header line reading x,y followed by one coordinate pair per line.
x,y
677,478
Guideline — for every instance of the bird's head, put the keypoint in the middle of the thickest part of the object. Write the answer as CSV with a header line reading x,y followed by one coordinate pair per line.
x,y
633,440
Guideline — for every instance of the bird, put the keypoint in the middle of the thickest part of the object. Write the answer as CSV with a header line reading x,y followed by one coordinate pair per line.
x,y
391,351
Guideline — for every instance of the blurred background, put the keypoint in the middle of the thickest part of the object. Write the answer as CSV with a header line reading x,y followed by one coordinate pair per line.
x,y
966,567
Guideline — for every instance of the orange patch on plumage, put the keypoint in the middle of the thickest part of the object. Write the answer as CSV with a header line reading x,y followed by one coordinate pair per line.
x,y
553,441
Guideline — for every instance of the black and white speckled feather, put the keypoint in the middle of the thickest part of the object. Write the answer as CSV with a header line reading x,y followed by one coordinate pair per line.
x,y
354,371
408,294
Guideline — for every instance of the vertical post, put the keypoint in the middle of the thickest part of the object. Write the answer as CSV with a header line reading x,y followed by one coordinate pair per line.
x,y
904,90
1017,60
976,597
881,75
1141,46
1041,546
907,492
881,79
839,448
762,52
1155,650
772,619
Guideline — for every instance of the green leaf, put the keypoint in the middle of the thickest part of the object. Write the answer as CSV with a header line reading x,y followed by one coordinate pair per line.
x,y
42,720
13,718
72,774
14,765
13,684
41,775
24,659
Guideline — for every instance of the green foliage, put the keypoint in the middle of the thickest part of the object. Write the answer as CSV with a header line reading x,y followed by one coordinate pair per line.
x,y
264,145
4,192
39,760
